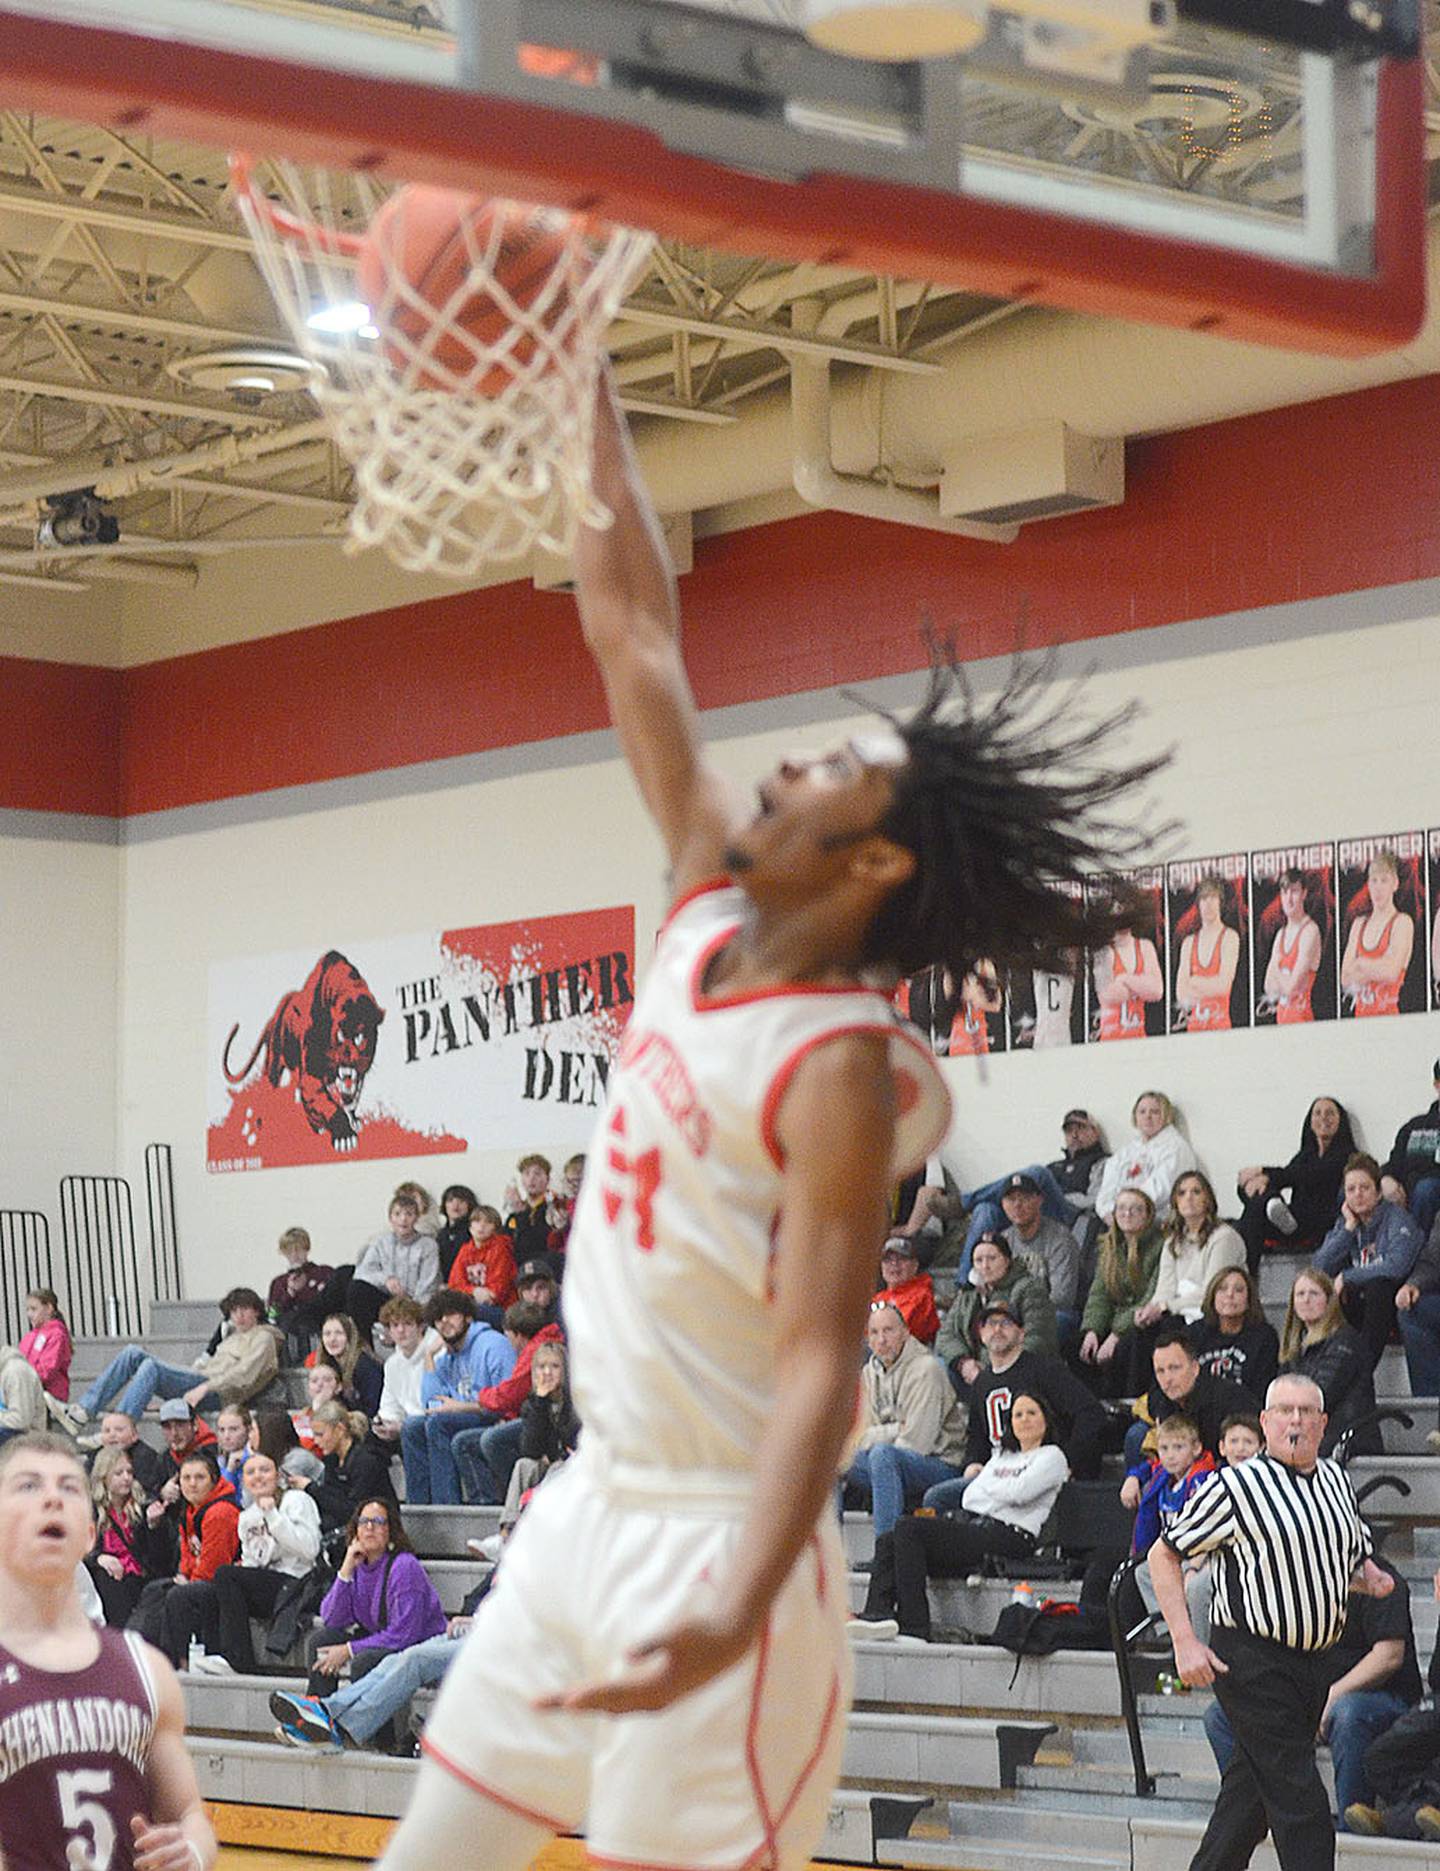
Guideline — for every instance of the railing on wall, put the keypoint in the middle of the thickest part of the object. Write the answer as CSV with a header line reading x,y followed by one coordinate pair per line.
x,y
164,1236
102,1265
24,1263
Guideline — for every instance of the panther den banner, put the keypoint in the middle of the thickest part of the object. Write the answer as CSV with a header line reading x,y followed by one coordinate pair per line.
x,y
423,1045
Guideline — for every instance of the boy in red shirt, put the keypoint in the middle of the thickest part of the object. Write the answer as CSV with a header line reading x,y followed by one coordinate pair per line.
x,y
485,1266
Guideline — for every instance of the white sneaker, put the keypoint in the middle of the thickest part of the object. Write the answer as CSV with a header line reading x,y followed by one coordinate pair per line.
x,y
877,1630
907,1641
488,1548
213,1665
1277,1213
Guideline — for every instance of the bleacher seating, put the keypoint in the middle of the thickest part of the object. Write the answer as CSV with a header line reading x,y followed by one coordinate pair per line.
x,y
953,1757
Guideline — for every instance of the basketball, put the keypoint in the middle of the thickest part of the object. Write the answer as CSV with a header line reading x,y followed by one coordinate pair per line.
x,y
423,246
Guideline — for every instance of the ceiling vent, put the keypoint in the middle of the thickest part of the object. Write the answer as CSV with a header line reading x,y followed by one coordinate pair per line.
x,y
1034,473
247,372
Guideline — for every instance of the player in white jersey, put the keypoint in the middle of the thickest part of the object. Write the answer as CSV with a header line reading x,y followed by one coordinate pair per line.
x,y
723,1254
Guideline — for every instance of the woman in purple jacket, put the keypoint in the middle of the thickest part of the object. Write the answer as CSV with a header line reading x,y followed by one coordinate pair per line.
x,y
381,1601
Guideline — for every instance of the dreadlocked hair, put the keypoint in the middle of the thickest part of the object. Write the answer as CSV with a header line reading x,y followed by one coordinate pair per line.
x,y
1017,823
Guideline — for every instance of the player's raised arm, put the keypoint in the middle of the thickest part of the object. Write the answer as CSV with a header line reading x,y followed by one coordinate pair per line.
x,y
630,613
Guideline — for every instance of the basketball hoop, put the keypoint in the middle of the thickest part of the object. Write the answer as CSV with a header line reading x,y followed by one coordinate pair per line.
x,y
463,396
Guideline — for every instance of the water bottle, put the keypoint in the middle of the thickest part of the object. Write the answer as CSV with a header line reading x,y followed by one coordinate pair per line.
x,y
197,1651
1023,1594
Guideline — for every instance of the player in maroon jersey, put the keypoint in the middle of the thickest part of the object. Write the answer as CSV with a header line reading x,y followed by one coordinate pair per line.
x,y
94,1775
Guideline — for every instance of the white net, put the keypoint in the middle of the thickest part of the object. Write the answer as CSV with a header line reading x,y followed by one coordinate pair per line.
x,y
455,345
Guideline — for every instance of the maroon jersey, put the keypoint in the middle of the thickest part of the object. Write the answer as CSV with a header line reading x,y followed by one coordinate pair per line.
x,y
73,1751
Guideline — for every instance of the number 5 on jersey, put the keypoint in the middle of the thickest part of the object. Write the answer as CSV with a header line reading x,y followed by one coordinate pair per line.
x,y
92,1831
630,1182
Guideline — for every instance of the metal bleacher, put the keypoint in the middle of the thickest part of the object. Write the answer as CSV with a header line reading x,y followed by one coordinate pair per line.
x,y
954,1756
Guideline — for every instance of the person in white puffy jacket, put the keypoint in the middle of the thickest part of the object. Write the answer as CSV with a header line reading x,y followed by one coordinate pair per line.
x,y
1152,1159
279,1541
1198,1247
1006,1505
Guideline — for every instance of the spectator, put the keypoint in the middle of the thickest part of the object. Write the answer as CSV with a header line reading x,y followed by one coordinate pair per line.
x,y
399,1260
381,1601
549,1426
1198,1245
1151,1161
485,1266
1316,1343
1412,1172
400,1396
279,1534
298,1299
1402,1771
986,1210
530,1214
485,1454
232,1443
1181,1388
118,1431
473,1357
185,1434
907,1289
1125,1276
912,1432
22,1396
536,1284
428,1219
1047,1248
1078,1419
128,1551
1374,1680
994,1275
1079,1168
322,1385
1314,1179
1234,1340
354,1468
272,1433
1417,1313
355,1713
1240,1437
1006,1505
239,1369
1369,1253
169,1611
563,1203
1157,1490
47,1345
361,1375
457,1204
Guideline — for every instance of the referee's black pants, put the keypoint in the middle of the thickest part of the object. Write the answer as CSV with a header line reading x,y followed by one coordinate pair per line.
x,y
1274,1698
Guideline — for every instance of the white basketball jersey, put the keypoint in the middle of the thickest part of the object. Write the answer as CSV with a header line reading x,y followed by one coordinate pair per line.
x,y
667,1276
1054,994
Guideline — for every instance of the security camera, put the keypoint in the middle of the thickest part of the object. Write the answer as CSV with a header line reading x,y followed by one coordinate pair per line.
x,y
77,519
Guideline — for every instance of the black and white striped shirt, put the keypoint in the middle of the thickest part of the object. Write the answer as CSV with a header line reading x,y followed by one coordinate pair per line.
x,y
1286,1544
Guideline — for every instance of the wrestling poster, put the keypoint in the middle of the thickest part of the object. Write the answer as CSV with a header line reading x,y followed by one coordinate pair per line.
x,y
1047,1007
1295,965
968,1021
1208,905
1383,951
420,1045
1127,976
1434,844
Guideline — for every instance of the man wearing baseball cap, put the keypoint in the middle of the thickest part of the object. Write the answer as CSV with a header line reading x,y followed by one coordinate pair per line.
x,y
1079,1169
907,1289
1047,1248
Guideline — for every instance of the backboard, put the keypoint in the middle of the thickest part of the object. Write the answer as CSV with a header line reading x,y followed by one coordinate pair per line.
x,y
1266,183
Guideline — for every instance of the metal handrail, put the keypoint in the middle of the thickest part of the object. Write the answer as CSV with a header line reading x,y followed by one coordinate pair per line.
x,y
1120,1642
24,1263
164,1233
102,1269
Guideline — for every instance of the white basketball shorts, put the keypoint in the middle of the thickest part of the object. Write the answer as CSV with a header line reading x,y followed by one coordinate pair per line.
x,y
735,1777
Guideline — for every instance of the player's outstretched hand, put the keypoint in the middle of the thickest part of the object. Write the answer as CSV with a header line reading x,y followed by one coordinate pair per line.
x,y
686,1657
162,1848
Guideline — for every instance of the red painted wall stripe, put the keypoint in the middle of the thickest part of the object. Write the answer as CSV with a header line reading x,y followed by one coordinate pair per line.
x,y
1329,497
60,748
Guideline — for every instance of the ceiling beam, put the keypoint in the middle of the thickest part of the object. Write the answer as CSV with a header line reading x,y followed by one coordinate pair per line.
x,y
17,199
110,398
773,337
119,318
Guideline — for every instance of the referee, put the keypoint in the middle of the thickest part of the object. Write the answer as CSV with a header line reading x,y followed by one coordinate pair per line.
x,y
1288,1546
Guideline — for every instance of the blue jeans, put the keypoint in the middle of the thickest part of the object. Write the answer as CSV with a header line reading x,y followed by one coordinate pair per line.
x,y
486,1460
142,1377
946,1495
363,1708
986,1212
1420,1334
1355,1721
427,1445
896,1478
